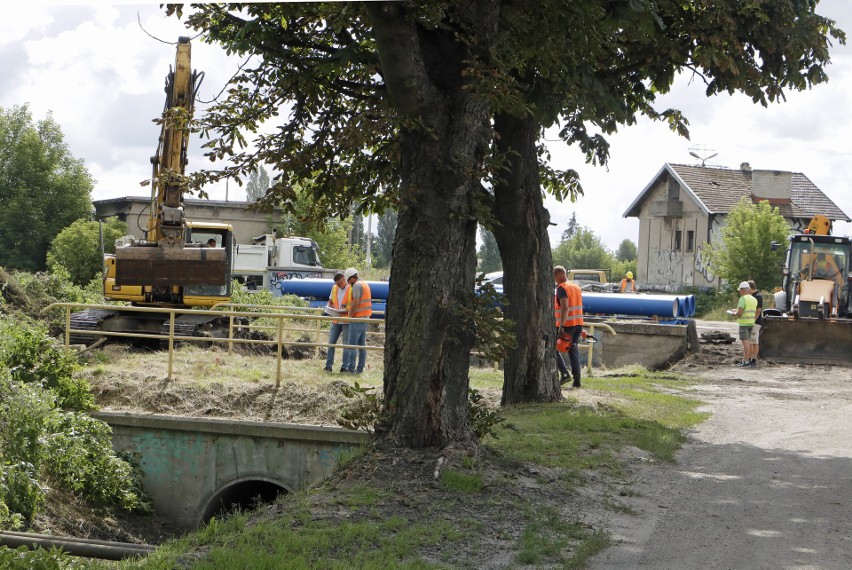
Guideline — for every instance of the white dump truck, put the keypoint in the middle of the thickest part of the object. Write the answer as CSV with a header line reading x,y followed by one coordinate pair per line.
x,y
269,260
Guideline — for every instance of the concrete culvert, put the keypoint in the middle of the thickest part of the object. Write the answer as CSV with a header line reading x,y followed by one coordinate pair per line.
x,y
241,495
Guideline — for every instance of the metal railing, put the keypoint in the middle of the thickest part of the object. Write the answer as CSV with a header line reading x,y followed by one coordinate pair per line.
x,y
235,327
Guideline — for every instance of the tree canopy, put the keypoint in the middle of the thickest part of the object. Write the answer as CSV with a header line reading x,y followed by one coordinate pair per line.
x,y
77,248
257,185
423,105
744,251
43,188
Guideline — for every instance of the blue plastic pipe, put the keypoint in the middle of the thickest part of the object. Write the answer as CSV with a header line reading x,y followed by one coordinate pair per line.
x,y
621,304
321,288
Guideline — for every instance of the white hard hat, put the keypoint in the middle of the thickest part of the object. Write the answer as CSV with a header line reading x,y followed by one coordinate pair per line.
x,y
350,273
745,285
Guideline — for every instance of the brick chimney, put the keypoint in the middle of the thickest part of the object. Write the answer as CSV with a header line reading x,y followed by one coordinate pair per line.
x,y
745,167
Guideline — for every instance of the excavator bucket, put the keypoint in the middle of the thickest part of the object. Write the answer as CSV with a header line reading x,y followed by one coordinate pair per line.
x,y
171,267
806,340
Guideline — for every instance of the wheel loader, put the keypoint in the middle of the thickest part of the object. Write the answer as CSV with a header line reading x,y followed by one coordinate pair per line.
x,y
812,318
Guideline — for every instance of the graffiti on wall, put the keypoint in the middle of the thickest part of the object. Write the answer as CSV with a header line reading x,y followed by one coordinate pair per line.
x,y
701,263
666,267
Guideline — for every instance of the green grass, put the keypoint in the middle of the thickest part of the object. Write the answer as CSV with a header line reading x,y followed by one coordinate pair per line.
x,y
457,481
638,413
637,408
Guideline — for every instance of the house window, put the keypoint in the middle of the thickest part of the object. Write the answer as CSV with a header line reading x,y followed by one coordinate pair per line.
x,y
677,240
690,240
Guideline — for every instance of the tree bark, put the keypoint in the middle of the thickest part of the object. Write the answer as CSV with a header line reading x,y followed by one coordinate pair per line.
x,y
521,232
443,139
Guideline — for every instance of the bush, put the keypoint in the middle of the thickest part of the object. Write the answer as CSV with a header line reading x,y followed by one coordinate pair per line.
x,y
73,451
31,357
24,410
707,301
79,457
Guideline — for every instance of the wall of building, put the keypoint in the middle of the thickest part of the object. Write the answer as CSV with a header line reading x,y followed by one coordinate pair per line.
x,y
671,246
246,223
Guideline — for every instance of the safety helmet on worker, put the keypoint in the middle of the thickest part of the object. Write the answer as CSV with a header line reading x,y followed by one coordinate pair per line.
x,y
745,285
350,272
630,275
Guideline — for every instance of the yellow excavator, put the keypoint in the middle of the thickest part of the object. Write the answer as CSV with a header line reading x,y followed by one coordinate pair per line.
x,y
179,263
812,318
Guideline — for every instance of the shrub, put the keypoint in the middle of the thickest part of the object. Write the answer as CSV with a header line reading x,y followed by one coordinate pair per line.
x,y
31,357
24,409
79,457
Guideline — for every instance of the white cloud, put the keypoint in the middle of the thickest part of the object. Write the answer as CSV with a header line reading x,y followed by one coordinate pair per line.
x,y
101,73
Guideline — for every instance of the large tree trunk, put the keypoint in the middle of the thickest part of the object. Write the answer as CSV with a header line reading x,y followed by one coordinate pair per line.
x,y
521,232
442,143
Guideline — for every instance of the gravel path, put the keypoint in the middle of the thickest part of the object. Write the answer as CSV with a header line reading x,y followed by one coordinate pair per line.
x,y
766,482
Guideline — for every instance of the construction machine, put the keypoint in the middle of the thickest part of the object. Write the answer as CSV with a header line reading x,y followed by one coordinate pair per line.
x,y
178,263
812,318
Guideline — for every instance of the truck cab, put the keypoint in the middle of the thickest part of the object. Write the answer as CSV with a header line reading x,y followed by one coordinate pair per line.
x,y
269,259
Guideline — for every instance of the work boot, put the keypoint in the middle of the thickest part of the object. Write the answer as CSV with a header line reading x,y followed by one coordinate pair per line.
x,y
564,379
752,363
576,384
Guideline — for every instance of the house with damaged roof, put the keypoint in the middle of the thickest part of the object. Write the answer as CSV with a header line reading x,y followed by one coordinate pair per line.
x,y
684,207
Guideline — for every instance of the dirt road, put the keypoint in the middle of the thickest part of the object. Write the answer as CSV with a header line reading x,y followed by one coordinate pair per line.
x,y
766,482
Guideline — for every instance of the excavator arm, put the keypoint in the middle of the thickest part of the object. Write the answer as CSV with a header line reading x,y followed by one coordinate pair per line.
x,y
164,259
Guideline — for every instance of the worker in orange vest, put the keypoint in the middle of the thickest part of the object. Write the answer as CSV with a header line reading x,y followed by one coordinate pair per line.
x,y
627,283
336,307
568,314
359,304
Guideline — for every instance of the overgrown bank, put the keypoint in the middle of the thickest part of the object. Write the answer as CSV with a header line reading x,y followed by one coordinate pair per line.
x,y
524,501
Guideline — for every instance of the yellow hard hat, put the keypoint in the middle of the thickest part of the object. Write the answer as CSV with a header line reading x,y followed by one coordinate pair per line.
x,y
630,275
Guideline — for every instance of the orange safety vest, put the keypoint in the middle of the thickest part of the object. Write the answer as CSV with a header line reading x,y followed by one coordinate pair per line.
x,y
575,305
332,299
625,282
365,307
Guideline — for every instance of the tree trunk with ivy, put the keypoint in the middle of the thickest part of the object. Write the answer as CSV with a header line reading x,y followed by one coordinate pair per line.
x,y
443,133
521,232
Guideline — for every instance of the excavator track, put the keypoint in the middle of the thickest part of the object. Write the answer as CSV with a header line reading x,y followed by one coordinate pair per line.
x,y
142,323
89,320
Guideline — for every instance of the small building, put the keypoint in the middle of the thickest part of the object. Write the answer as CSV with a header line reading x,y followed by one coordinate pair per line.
x,y
247,223
684,207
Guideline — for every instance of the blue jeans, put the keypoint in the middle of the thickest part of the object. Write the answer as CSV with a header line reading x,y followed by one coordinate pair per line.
x,y
336,331
357,336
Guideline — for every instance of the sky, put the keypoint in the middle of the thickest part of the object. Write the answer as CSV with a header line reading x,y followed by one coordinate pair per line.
x,y
99,69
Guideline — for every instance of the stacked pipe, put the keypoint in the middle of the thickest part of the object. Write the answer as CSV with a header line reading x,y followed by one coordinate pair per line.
x,y
669,306
316,291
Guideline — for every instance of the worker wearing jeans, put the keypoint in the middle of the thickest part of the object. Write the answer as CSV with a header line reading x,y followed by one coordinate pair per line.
x,y
336,303
359,304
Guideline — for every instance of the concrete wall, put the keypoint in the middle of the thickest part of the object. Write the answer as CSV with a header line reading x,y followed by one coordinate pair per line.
x,y
190,464
643,343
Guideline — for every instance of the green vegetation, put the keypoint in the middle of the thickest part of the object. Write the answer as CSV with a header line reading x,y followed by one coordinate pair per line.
x,y
378,513
76,249
745,252
45,438
581,248
43,188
